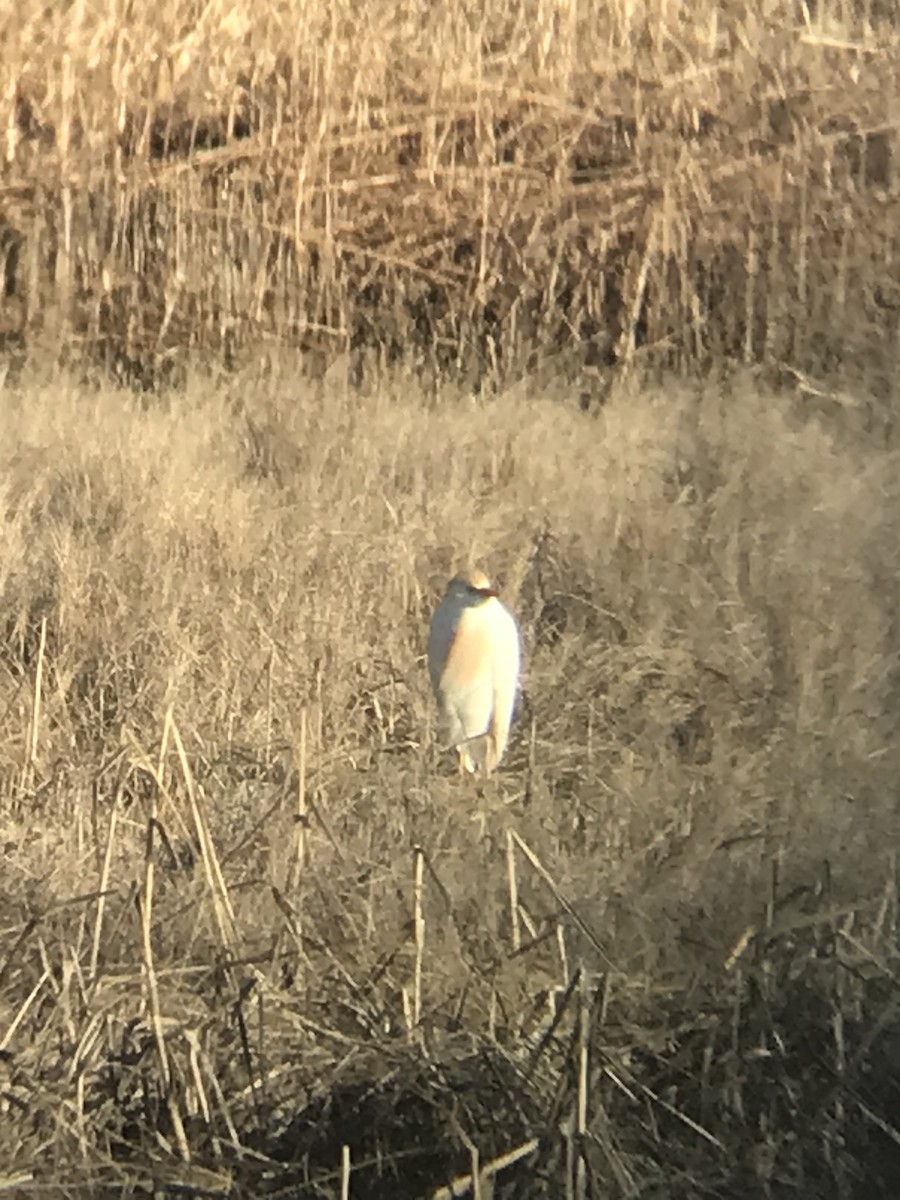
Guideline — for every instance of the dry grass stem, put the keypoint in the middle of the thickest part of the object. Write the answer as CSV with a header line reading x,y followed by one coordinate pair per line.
x,y
419,934
515,934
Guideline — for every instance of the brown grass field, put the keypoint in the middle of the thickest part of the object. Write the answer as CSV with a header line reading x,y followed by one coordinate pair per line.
x,y
302,307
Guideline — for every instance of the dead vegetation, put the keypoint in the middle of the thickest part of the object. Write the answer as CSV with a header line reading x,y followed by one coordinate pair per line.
x,y
256,940
470,188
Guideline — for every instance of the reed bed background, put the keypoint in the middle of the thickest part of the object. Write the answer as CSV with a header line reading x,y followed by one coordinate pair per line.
x,y
477,188
303,307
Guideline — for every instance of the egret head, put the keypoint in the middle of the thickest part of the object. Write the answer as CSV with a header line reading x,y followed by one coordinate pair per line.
x,y
473,587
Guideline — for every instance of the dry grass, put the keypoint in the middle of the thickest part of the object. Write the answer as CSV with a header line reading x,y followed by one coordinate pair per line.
x,y
468,186
220,600
255,937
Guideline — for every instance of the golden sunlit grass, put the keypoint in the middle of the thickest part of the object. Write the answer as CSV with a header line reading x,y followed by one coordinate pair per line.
x,y
250,917
403,288
460,185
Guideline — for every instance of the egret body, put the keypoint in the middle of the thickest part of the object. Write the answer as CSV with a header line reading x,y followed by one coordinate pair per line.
x,y
474,659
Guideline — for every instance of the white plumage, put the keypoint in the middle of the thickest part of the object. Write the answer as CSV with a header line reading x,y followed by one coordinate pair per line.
x,y
474,658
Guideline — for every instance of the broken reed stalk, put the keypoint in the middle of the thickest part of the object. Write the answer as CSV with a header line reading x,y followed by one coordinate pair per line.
x,y
474,1178
104,883
194,1053
581,1118
270,688
561,898
653,1096
151,997
301,820
287,902
30,769
151,985
224,913
515,931
563,954
462,1185
345,1172
419,926
530,927
23,1010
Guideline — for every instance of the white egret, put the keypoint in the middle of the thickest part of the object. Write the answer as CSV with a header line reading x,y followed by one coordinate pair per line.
x,y
474,659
